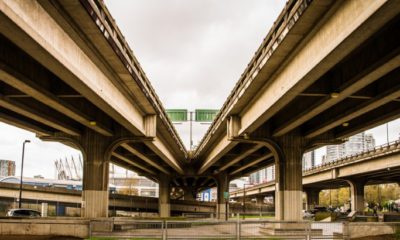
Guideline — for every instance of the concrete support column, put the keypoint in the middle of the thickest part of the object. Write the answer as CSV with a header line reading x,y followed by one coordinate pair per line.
x,y
312,197
260,200
289,189
164,206
222,186
95,175
189,194
357,195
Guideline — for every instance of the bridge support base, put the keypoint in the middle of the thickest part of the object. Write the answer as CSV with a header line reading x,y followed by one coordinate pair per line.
x,y
95,175
164,205
222,204
289,188
357,195
312,197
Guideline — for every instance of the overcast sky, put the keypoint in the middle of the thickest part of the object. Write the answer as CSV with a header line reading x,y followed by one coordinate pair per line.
x,y
193,52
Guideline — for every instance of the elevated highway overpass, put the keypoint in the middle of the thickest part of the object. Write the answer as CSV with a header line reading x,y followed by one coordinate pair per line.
x,y
326,70
72,198
67,74
375,166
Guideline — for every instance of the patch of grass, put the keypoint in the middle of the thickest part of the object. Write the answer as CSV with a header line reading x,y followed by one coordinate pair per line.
x,y
116,238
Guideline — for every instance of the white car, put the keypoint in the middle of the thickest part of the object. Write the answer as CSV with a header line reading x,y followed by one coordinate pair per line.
x,y
23,212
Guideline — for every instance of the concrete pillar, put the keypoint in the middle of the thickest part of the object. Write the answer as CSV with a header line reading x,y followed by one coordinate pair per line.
x,y
288,179
164,206
189,194
312,197
260,200
357,195
222,203
95,175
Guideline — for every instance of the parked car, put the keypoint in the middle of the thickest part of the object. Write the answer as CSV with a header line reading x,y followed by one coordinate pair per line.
x,y
318,209
23,212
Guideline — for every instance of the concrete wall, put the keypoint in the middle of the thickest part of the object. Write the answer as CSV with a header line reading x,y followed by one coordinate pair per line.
x,y
45,227
362,229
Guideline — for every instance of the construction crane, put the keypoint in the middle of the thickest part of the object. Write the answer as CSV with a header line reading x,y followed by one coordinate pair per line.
x,y
60,170
69,176
78,176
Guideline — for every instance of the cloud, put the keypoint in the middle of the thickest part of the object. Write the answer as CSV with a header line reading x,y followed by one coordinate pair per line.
x,y
194,51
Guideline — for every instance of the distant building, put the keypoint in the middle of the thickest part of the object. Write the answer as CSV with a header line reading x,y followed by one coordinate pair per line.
x,y
308,160
254,178
7,168
358,143
369,141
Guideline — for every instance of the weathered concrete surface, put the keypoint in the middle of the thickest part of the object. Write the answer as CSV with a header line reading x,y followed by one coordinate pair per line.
x,y
45,227
358,230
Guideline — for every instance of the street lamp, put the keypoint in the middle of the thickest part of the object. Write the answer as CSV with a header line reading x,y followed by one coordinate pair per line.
x,y
244,198
22,171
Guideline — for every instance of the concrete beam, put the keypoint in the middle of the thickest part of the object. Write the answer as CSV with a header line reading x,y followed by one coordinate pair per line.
x,y
222,147
356,84
165,154
140,155
24,125
23,84
32,29
240,157
131,162
251,163
31,113
349,26
379,100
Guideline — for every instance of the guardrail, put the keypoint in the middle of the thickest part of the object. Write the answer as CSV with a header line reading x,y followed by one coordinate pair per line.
x,y
209,229
377,151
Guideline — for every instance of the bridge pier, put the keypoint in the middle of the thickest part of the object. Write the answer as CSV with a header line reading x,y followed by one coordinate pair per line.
x,y
260,200
189,194
357,195
95,175
222,186
312,197
289,187
164,189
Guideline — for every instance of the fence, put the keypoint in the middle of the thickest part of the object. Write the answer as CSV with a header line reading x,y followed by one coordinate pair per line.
x,y
209,229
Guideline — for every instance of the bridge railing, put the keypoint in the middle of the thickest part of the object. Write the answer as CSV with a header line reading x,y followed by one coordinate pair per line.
x,y
380,150
214,229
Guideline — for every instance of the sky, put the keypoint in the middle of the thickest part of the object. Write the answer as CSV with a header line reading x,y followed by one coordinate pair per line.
x,y
193,52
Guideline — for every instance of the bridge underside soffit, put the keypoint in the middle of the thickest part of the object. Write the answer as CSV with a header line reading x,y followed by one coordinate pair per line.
x,y
33,98
242,160
365,83
31,94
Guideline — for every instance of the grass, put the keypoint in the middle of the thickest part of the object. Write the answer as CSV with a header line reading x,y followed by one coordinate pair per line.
x,y
112,238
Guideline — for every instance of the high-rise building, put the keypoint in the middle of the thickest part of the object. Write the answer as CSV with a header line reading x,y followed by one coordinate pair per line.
x,y
254,178
369,141
356,144
7,168
308,160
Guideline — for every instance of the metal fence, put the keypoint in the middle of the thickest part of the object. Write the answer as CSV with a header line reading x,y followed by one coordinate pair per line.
x,y
209,229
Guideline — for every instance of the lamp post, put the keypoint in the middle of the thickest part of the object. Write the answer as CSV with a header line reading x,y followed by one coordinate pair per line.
x,y
244,198
22,172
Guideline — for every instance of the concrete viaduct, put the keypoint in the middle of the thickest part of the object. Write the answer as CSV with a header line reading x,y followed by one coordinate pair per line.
x,y
375,166
326,70
72,198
